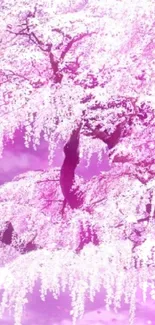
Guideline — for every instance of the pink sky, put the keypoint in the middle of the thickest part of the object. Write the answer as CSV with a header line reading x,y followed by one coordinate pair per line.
x,y
56,312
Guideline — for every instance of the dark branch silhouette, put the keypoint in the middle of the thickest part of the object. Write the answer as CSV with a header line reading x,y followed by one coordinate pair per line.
x,y
110,139
71,42
72,196
67,174
47,47
7,236
55,65
86,237
54,62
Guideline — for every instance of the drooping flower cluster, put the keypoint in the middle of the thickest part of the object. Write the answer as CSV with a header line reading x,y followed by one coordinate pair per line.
x,y
115,205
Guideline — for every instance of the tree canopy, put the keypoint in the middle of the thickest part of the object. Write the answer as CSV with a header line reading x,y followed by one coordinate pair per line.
x,y
63,61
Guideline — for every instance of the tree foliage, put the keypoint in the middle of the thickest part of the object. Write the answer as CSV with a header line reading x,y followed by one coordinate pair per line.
x,y
61,59
83,72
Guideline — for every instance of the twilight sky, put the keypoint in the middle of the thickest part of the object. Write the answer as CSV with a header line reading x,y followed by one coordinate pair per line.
x,y
17,159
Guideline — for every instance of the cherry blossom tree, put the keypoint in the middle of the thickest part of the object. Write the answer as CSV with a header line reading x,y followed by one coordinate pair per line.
x,y
81,72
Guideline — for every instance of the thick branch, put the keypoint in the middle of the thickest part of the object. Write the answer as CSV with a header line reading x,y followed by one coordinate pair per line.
x,y
70,44
55,65
110,139
67,174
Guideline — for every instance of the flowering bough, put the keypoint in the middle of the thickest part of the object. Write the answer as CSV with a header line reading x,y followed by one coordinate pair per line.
x,y
126,240
82,72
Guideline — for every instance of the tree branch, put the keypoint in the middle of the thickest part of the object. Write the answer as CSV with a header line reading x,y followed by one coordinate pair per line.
x,y
70,44
55,65
67,173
